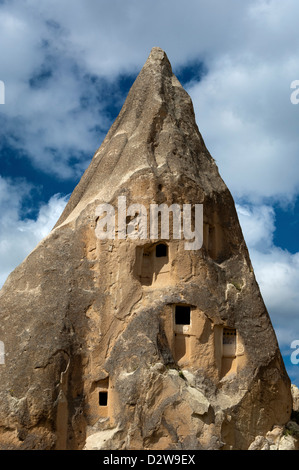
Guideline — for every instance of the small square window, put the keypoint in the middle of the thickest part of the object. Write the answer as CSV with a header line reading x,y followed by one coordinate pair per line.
x,y
103,398
182,315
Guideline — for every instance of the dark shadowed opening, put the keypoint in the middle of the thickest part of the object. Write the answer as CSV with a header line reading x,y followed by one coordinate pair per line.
x,y
182,315
103,398
161,250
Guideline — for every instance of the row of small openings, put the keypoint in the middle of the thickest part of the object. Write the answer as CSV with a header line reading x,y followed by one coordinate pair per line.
x,y
229,334
229,341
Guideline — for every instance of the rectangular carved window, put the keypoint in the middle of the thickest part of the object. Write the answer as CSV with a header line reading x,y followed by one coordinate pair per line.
x,y
103,398
182,315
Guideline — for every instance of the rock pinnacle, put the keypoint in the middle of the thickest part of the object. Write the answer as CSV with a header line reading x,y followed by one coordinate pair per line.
x,y
123,338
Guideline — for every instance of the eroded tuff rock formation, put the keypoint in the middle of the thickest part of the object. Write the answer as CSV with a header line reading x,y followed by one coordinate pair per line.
x,y
137,343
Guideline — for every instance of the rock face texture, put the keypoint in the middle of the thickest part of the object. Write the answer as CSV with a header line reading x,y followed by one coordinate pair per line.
x,y
137,342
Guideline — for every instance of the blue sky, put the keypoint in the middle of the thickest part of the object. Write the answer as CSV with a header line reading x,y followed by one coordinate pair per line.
x,y
67,67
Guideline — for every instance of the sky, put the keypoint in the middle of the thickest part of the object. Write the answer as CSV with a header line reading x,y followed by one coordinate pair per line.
x,y
65,70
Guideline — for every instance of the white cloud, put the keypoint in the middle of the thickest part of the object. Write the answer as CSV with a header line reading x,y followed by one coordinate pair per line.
x,y
278,276
116,37
44,116
250,126
258,222
18,236
243,102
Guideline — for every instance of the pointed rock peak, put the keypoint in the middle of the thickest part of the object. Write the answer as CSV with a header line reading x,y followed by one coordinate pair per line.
x,y
149,134
154,82
157,54
158,59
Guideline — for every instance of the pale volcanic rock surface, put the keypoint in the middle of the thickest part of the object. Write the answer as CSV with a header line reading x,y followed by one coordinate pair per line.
x,y
95,356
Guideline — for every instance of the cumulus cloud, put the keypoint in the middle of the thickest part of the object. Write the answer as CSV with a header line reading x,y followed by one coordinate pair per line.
x,y
258,222
52,113
248,123
59,55
19,235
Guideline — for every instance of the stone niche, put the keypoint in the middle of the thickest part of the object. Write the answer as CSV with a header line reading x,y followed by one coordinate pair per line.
x,y
152,266
190,337
182,327
212,239
232,352
197,343
100,401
